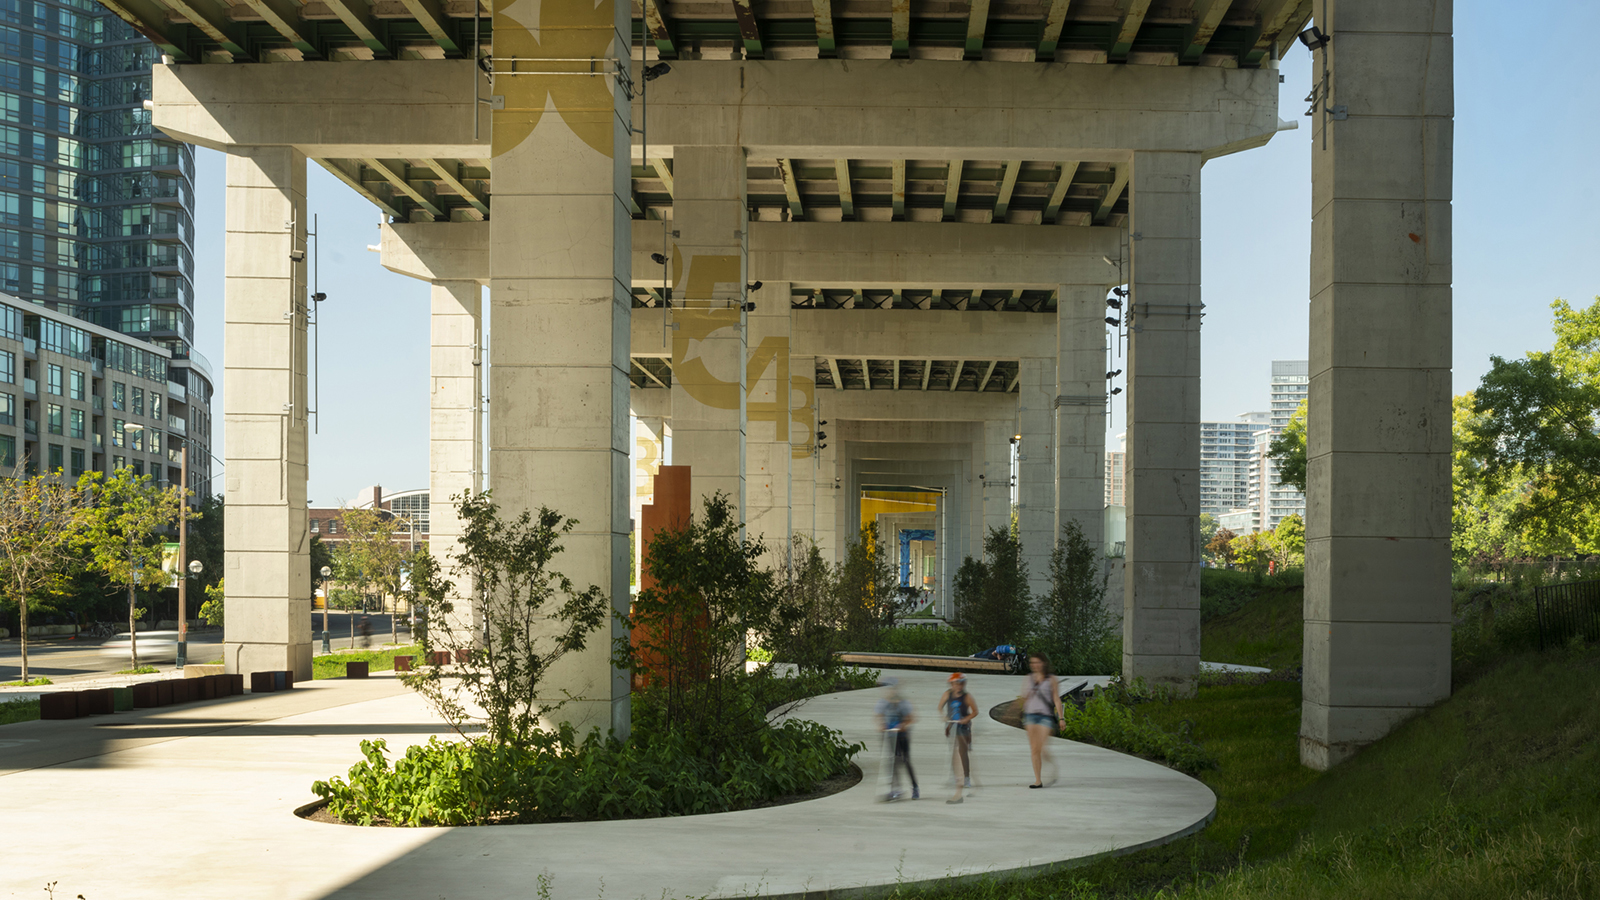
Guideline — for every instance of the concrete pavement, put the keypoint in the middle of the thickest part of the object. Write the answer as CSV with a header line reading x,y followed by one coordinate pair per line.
x,y
199,800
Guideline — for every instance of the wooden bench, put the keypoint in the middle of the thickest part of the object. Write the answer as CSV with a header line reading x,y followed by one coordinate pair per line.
x,y
924,662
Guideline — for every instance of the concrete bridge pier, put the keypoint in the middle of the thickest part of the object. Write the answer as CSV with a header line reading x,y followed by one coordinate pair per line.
x,y
266,559
455,435
560,246
1377,598
1161,600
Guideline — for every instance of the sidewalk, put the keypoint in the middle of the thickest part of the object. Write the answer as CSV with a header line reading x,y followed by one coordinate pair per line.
x,y
199,801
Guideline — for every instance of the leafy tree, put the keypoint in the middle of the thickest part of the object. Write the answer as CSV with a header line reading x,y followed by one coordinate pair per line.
x,y
1220,546
211,611
688,631
1074,624
532,616
992,600
1208,527
1536,421
1288,543
39,517
321,555
867,583
1482,534
1289,449
205,539
1252,551
371,552
124,533
815,627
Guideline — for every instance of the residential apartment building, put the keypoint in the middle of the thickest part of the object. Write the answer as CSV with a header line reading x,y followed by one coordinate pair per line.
x,y
1255,486
1227,450
96,209
1290,386
75,397
1116,473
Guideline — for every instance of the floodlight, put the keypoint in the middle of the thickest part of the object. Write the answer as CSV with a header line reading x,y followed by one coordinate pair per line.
x,y
658,259
1113,321
651,73
1313,38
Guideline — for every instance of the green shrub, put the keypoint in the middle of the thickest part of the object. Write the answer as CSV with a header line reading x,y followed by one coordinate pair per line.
x,y
1107,723
930,641
659,771
991,597
18,711
1074,626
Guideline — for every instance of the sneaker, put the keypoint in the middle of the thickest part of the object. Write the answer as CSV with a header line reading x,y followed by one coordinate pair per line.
x,y
915,794
956,800
968,784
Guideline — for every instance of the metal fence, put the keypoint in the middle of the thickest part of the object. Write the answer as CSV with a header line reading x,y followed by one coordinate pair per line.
x,y
1565,610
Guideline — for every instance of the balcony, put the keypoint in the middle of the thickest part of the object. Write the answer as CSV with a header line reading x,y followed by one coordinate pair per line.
x,y
30,386
99,405
99,443
30,426
177,392
97,366
177,425
30,347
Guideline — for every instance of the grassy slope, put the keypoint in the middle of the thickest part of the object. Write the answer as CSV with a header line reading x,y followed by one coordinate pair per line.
x,y
1493,793
332,665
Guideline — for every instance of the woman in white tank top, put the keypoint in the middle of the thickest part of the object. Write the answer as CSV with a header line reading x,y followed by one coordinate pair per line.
x,y
1041,712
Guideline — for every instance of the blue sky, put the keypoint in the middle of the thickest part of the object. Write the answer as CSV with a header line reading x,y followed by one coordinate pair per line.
x,y
1526,228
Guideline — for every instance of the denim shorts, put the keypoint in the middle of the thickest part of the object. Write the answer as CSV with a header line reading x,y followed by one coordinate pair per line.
x,y
1038,719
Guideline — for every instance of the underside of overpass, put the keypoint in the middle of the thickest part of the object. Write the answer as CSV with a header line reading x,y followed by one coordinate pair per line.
x,y
836,244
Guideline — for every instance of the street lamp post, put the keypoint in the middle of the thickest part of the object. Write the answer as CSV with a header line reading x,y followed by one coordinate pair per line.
x,y
183,553
326,596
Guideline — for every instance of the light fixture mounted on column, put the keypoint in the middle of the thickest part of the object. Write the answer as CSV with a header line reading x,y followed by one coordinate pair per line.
x,y
1116,391
1313,38
1113,321
749,306
651,73
1120,291
822,436
659,259
1113,373
1114,303
753,286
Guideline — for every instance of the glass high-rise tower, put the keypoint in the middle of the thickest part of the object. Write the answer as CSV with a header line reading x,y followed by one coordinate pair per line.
x,y
96,209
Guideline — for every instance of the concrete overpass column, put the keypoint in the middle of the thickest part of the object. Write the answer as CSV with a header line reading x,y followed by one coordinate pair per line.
x,y
1377,599
455,438
267,557
769,430
1081,410
709,327
802,445
560,292
827,494
1161,599
1036,471
997,436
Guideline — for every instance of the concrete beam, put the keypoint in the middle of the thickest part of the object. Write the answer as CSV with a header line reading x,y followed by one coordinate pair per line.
x,y
966,406
922,109
886,334
392,109
958,256
453,251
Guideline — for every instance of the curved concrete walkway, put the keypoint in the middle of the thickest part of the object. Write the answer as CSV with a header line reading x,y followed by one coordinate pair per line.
x,y
197,801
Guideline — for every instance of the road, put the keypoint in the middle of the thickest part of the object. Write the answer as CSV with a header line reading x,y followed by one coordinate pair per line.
x,y
59,658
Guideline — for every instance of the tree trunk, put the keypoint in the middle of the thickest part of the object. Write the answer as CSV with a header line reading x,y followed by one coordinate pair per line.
x,y
23,606
394,620
133,630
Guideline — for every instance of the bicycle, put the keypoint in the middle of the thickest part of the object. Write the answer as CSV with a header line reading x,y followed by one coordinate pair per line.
x,y
101,630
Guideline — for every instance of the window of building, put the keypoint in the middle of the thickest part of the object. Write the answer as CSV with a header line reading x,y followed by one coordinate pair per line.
x,y
333,526
53,379
75,423
119,462
138,401
138,469
8,409
155,405
316,526
117,433
8,367
8,450
155,442
76,385
136,440
53,418
77,461
119,395
58,460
